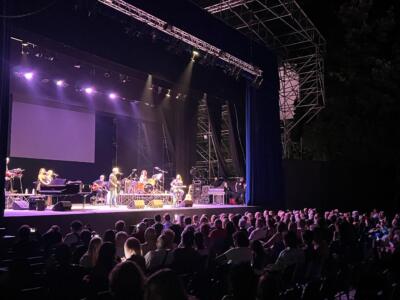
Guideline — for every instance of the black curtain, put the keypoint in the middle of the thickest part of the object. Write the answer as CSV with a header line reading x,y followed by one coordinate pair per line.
x,y
236,137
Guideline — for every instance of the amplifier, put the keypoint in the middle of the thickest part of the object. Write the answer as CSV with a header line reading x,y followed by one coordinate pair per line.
x,y
136,204
156,203
62,206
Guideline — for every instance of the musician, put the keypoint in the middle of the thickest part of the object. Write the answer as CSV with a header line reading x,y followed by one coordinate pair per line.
x,y
240,190
176,189
143,177
113,186
50,176
42,178
100,187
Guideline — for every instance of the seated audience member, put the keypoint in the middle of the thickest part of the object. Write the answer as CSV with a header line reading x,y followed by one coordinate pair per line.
x,y
25,245
242,283
275,243
126,281
141,228
259,258
73,237
260,232
172,240
217,237
241,253
157,219
164,285
199,244
133,253
186,259
120,239
161,257
109,236
52,237
291,255
158,228
150,237
268,287
98,278
120,226
167,221
88,260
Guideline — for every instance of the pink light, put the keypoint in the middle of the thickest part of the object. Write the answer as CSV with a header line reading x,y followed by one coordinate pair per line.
x,y
112,96
89,90
60,83
28,75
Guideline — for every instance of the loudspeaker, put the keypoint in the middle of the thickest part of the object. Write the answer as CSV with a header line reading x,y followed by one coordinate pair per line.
x,y
20,205
156,203
136,204
186,203
62,206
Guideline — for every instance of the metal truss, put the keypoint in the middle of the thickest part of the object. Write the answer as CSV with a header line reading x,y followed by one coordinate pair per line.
x,y
206,157
161,25
283,26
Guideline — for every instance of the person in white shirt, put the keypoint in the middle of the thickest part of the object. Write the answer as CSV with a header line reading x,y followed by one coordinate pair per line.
x,y
260,233
291,255
241,253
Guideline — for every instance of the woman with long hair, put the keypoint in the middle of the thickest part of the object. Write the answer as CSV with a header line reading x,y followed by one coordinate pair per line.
x,y
89,259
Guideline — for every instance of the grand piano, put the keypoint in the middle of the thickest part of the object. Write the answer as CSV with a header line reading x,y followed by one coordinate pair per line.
x,y
60,188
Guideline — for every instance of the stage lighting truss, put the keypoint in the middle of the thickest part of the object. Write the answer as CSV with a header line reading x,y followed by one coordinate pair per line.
x,y
283,26
161,25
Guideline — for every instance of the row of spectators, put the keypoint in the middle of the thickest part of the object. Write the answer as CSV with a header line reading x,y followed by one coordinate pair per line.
x,y
299,254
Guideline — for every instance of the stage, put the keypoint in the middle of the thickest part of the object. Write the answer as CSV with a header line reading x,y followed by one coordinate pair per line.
x,y
103,217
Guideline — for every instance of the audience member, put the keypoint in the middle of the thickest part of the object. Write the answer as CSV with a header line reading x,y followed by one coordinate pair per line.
x,y
133,252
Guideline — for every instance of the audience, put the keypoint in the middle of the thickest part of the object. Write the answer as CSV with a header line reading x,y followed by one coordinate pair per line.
x,y
299,254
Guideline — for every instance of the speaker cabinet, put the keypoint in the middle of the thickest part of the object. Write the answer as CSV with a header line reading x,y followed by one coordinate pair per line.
x,y
62,206
136,204
156,203
20,205
186,203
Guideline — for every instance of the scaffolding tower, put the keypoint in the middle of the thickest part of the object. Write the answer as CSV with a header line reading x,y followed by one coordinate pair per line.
x,y
283,26
206,157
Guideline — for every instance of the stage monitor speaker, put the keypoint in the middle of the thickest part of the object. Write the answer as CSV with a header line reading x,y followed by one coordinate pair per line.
x,y
62,206
186,203
20,205
136,204
156,203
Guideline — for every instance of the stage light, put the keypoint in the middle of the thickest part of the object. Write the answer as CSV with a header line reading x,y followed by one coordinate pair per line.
x,y
89,90
28,75
112,96
168,94
178,96
60,83
195,53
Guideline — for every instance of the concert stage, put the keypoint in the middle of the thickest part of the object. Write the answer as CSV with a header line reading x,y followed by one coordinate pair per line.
x,y
104,217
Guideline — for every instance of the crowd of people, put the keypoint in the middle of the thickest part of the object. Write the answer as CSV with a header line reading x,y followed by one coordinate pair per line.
x,y
301,254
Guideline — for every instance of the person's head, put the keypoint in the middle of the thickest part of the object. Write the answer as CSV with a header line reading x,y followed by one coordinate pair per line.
x,y
24,232
106,255
42,171
268,287
120,239
126,281
150,235
132,247
178,177
167,217
102,177
260,223
143,173
187,238
290,239
170,238
93,248
164,285
240,239
218,224
109,236
242,224
159,228
188,221
195,219
199,240
230,228
142,227
115,170
120,225
162,242
257,248
86,236
76,226
205,229
157,218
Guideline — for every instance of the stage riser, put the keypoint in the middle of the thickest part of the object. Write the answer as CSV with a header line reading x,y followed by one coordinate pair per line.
x,y
101,221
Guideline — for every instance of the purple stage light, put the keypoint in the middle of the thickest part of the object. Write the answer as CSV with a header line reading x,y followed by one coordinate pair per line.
x,y
89,90
28,75
112,96
60,83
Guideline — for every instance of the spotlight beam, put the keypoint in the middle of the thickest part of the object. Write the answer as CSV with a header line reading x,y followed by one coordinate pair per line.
x,y
153,21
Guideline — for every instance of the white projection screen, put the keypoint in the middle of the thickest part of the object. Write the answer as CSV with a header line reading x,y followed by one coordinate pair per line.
x,y
42,132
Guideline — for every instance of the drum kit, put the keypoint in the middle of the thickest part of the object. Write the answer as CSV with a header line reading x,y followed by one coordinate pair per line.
x,y
13,174
155,184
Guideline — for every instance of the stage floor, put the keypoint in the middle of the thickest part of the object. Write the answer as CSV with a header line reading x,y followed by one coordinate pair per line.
x,y
103,217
